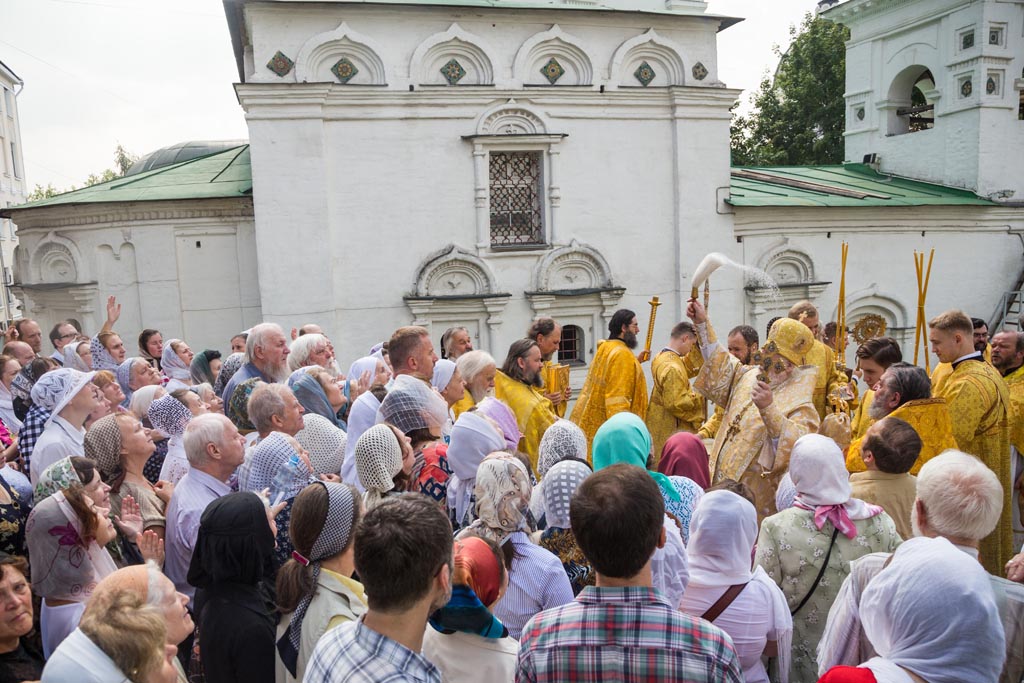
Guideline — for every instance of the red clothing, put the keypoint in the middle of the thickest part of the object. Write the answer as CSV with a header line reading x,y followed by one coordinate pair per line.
x,y
433,478
848,674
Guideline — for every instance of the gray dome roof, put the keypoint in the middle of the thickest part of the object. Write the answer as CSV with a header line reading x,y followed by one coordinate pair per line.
x,y
182,151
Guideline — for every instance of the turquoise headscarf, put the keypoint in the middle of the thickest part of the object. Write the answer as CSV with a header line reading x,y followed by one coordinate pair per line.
x,y
624,438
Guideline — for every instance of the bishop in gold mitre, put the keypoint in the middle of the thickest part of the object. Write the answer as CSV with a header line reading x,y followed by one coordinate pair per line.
x,y
820,356
763,416
979,405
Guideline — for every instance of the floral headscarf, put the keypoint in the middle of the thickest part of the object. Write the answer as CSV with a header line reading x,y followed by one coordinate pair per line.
x,y
238,405
57,477
64,565
502,497
172,364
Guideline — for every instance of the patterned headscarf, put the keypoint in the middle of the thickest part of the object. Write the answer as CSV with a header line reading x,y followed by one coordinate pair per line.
x,y
563,440
473,439
378,459
476,583
169,415
64,565
55,389
333,538
311,395
72,359
101,358
266,459
325,443
559,486
238,405
172,364
57,477
413,404
103,445
506,419
124,378
502,497
228,368
624,438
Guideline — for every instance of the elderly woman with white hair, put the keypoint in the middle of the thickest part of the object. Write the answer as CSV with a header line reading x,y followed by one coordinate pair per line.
x,y
478,370
807,549
932,617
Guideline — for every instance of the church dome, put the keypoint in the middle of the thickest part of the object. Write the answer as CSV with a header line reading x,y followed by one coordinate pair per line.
x,y
182,151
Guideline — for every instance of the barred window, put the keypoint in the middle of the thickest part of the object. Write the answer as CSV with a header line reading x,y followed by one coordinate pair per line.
x,y
570,349
517,213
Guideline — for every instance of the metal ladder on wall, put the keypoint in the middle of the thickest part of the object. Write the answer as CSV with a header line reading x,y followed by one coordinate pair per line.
x,y
1009,309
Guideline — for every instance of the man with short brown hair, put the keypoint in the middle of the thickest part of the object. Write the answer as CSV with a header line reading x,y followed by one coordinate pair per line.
x,y
977,396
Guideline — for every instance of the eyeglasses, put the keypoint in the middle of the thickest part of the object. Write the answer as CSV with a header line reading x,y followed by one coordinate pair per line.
x,y
68,336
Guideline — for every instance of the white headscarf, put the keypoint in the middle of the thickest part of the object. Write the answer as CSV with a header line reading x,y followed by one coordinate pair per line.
x,y
444,370
563,440
932,612
473,439
142,399
361,417
72,359
822,484
723,531
378,460
561,483
172,364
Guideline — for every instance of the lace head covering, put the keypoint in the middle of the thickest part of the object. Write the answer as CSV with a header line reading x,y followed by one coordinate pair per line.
x,y
412,404
563,440
55,389
124,378
101,358
325,443
378,459
559,486
169,415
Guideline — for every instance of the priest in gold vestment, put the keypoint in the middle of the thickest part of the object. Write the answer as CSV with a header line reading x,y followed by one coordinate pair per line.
x,y
873,357
820,356
1008,359
674,405
979,404
615,382
904,391
762,420
517,384
548,334
743,343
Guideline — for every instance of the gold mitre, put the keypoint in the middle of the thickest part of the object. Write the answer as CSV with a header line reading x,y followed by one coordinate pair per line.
x,y
791,339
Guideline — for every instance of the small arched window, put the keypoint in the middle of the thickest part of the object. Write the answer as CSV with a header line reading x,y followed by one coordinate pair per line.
x,y
571,348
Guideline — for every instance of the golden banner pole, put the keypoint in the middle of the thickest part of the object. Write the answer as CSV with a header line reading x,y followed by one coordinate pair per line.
x,y
841,313
654,302
921,328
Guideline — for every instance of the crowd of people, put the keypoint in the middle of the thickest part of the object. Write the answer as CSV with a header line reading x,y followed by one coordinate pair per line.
x,y
267,515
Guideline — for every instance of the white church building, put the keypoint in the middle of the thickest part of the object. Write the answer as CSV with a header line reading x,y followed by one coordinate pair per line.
x,y
484,162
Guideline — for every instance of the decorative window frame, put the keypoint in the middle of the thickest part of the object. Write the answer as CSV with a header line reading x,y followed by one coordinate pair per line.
x,y
514,127
481,301
456,43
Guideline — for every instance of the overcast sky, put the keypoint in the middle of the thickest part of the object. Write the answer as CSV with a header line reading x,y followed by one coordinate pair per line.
x,y
150,73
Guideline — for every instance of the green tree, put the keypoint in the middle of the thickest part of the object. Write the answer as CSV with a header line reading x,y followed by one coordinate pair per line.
x,y
797,116
123,160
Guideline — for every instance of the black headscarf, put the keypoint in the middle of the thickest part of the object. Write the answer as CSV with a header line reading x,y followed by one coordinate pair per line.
x,y
235,544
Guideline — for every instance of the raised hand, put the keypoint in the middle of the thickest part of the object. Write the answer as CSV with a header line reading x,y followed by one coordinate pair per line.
x,y
151,547
761,395
113,311
130,519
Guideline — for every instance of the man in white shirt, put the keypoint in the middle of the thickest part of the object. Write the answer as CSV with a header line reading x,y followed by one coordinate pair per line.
x,y
70,396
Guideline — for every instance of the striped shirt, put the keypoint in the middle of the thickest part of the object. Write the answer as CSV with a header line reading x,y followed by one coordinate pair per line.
x,y
537,581
194,492
355,653
624,634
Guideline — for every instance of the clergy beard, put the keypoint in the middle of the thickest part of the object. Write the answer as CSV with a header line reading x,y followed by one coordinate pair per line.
x,y
876,411
479,395
534,381
629,339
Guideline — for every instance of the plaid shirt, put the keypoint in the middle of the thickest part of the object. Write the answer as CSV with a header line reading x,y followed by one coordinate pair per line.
x,y
624,634
354,653
31,429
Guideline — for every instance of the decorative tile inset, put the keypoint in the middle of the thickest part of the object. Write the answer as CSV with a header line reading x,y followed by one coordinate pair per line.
x,y
860,114
552,70
967,40
990,86
344,70
966,88
700,72
645,74
280,64
453,71
995,36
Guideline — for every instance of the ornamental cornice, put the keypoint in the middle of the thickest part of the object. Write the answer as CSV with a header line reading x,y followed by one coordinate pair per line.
x,y
63,216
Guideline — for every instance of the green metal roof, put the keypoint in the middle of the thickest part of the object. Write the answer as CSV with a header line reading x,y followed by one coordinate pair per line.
x,y
223,174
845,185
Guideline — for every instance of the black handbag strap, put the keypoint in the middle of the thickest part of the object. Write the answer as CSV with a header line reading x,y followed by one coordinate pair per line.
x,y
821,572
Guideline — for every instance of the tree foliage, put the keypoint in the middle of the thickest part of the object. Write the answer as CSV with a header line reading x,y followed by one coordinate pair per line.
x,y
797,117
123,160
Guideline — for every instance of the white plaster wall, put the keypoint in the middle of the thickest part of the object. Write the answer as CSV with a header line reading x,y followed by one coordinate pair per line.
x,y
131,251
966,148
356,186
13,187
